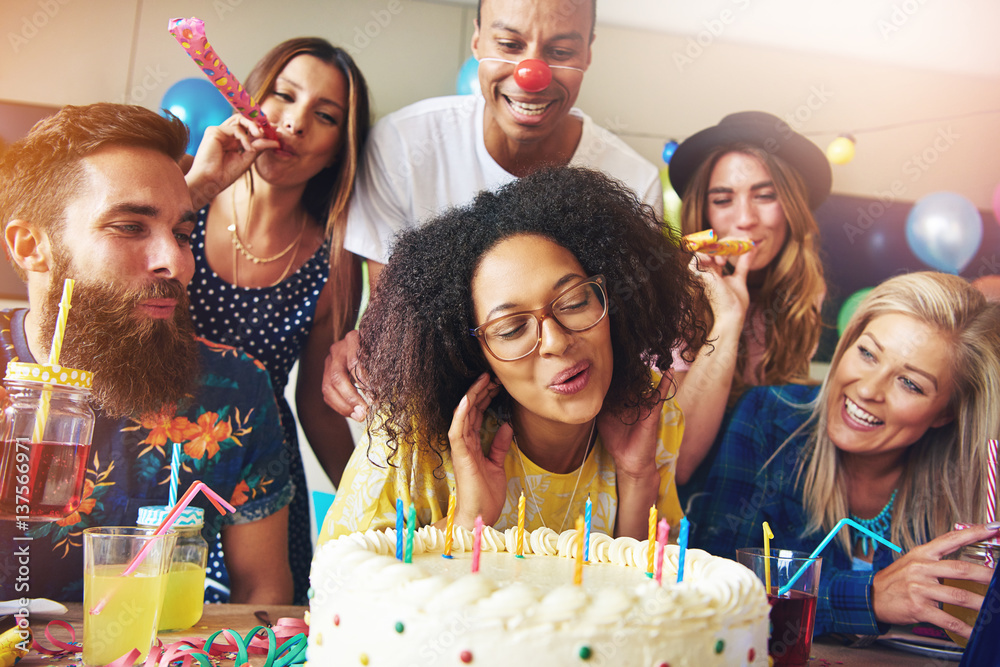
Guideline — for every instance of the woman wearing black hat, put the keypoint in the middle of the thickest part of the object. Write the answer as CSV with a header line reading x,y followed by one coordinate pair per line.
x,y
750,176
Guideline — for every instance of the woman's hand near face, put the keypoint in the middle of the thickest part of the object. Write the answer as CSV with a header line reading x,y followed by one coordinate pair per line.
x,y
224,154
910,590
480,480
727,294
633,448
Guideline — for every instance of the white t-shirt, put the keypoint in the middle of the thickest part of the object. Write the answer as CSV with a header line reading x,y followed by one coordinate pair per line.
x,y
431,155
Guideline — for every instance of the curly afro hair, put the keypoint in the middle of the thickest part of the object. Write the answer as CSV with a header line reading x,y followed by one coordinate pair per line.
x,y
415,346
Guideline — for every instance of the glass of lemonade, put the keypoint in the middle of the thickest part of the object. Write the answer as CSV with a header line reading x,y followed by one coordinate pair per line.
x,y
120,613
973,553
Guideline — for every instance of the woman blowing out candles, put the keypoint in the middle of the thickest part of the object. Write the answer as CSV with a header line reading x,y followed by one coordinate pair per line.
x,y
896,438
508,349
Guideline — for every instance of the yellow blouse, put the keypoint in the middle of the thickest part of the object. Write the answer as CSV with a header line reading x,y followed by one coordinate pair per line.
x,y
369,489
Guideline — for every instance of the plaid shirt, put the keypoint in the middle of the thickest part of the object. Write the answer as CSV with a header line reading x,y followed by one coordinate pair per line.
x,y
743,493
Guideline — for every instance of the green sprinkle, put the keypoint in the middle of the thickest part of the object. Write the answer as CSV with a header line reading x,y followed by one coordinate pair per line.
x,y
720,646
585,653
400,627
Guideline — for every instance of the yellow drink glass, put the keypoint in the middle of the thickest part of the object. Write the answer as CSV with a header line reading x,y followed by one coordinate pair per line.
x,y
120,613
184,597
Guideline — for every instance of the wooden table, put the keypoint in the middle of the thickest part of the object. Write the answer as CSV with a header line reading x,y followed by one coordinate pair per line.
x,y
240,617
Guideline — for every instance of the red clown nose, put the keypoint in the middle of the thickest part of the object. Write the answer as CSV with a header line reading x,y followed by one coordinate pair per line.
x,y
532,75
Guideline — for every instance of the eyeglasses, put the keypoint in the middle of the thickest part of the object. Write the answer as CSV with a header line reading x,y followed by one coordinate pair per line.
x,y
577,308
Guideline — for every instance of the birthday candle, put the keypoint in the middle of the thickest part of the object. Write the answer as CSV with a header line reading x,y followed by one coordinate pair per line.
x,y
520,526
477,543
768,535
682,542
661,542
450,526
652,540
399,529
586,528
411,522
578,566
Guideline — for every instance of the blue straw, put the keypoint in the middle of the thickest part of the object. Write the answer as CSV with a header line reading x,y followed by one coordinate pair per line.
x,y
826,540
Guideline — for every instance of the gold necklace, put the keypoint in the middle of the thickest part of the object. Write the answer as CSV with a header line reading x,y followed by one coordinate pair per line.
x,y
244,250
576,485
238,245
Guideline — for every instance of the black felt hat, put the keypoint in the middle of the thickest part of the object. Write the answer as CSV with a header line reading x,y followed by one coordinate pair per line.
x,y
758,129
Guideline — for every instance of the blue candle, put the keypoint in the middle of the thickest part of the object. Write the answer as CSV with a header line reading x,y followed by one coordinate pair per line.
x,y
399,529
586,530
411,525
682,542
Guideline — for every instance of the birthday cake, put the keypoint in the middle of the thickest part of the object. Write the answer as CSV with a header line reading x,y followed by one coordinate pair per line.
x,y
368,608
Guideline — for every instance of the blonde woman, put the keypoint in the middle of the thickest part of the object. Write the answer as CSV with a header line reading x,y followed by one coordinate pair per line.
x,y
895,438
749,177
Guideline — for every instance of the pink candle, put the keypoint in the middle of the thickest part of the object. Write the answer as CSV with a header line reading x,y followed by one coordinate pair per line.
x,y
477,543
661,542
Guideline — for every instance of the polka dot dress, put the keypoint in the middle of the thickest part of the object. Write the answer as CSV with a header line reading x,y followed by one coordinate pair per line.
x,y
272,324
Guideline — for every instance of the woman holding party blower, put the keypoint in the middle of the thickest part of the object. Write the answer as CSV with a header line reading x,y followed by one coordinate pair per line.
x,y
896,439
749,177
271,274
507,350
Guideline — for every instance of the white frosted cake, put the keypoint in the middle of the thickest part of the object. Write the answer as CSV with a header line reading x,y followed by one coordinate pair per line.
x,y
370,609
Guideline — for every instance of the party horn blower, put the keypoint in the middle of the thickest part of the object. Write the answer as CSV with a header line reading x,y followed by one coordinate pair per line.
x,y
707,243
190,34
42,415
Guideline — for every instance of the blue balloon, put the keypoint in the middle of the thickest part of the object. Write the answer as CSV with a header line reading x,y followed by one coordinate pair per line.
x,y
199,105
668,150
944,230
467,82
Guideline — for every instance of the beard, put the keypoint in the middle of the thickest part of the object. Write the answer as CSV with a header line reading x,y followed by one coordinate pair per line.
x,y
141,365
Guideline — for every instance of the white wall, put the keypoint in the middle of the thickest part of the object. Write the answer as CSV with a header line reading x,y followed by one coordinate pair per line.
x,y
79,51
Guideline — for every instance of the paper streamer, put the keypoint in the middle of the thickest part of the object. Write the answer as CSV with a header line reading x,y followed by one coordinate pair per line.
x,y
190,34
284,644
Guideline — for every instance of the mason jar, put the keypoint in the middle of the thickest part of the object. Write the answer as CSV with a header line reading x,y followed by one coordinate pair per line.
x,y
47,429
981,553
184,595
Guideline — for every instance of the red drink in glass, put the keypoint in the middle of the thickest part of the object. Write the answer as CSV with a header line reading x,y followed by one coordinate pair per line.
x,y
792,618
40,480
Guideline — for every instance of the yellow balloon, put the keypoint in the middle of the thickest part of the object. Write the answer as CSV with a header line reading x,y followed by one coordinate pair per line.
x,y
671,202
840,150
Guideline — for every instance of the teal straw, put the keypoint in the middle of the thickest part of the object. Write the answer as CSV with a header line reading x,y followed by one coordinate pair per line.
x,y
826,540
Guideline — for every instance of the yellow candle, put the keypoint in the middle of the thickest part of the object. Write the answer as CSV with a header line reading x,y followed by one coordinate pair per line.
x,y
578,566
520,525
652,539
450,525
768,535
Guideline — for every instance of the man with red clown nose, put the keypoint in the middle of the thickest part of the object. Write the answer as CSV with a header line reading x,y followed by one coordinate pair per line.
x,y
440,152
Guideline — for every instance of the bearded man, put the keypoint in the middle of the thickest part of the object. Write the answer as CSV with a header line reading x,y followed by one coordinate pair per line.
x,y
95,194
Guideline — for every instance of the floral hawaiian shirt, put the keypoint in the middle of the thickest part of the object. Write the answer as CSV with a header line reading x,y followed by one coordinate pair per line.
x,y
230,437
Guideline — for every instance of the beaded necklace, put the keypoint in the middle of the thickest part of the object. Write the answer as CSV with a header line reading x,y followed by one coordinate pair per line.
x,y
879,525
